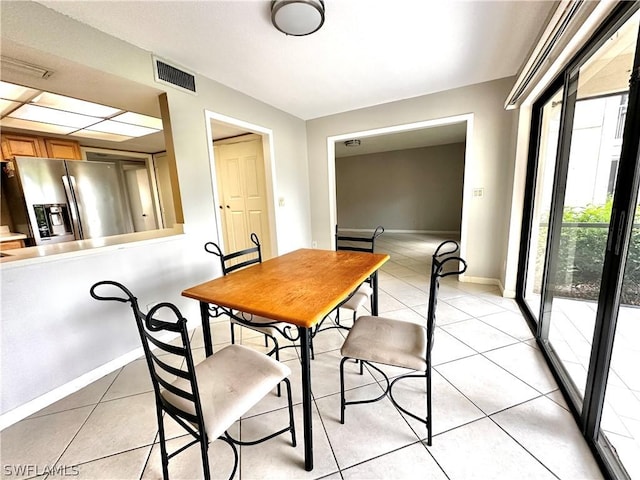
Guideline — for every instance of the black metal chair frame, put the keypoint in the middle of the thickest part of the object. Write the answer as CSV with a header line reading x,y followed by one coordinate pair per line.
x,y
193,424
362,244
440,259
215,311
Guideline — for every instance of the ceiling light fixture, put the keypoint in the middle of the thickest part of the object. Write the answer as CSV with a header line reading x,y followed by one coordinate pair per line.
x,y
29,109
352,143
297,17
36,113
68,104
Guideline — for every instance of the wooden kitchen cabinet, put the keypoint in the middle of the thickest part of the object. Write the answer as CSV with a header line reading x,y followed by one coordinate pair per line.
x,y
15,145
61,148
11,244
22,146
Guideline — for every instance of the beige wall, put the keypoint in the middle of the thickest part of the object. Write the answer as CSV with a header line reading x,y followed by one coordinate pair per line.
x,y
489,165
418,189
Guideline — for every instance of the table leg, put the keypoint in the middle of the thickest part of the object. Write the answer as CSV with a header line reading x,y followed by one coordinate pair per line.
x,y
206,328
306,397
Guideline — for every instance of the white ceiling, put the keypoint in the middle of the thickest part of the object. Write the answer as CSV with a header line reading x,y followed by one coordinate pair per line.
x,y
368,52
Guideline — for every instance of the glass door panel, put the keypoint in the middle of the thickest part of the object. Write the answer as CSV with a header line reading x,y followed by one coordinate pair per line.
x,y
620,420
599,105
546,165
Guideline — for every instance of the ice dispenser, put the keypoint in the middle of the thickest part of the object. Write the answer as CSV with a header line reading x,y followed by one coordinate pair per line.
x,y
53,220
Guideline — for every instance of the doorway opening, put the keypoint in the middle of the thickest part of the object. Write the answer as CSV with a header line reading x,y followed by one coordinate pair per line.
x,y
441,131
241,156
136,174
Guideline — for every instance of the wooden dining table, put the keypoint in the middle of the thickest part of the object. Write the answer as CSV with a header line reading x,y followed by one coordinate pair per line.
x,y
299,288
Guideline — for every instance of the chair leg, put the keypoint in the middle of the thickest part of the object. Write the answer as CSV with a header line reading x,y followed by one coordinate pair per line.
x,y
313,354
266,340
204,448
291,422
233,332
277,347
429,407
342,399
229,441
164,457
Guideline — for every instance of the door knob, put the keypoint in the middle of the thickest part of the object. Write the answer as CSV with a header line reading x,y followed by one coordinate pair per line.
x,y
228,206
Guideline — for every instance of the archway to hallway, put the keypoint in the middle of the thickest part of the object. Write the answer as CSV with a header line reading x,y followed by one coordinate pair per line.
x,y
413,135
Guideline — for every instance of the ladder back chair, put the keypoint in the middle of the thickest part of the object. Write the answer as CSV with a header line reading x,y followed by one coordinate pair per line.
x,y
270,328
364,293
207,398
399,343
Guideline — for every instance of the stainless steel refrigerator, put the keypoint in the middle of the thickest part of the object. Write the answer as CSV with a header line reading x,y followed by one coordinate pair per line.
x,y
54,201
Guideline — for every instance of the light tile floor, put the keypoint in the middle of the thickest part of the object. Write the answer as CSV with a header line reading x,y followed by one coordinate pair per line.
x,y
571,333
498,412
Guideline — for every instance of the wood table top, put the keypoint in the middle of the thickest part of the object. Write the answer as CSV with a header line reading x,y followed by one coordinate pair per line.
x,y
299,288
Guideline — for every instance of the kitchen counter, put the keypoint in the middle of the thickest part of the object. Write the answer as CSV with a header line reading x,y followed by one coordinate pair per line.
x,y
10,240
22,256
6,237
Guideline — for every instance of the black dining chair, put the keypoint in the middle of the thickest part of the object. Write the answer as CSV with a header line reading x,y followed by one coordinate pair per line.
x,y
364,293
271,329
207,398
399,343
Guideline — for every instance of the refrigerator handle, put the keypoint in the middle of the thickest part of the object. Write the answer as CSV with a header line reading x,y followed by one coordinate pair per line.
x,y
69,183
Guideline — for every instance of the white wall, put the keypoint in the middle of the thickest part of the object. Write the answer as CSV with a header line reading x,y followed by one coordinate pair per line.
x,y
489,164
417,189
52,332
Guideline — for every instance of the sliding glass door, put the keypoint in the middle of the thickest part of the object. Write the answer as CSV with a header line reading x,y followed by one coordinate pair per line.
x,y
585,186
620,423
579,276
549,130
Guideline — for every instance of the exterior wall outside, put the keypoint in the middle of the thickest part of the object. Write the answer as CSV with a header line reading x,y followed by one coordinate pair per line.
x,y
52,331
418,189
489,164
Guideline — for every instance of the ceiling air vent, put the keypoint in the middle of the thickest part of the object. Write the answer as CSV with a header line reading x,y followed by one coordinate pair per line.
x,y
174,76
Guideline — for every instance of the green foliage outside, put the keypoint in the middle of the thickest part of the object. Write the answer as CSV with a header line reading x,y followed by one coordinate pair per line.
x,y
582,249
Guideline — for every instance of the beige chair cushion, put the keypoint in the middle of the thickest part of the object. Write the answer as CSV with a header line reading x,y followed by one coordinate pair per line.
x,y
355,302
230,382
365,289
257,320
359,298
387,341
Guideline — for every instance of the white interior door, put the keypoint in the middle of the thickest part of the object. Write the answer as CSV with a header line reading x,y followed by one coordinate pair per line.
x,y
242,191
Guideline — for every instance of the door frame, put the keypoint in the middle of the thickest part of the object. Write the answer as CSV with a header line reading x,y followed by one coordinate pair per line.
x,y
587,410
269,169
467,192
151,173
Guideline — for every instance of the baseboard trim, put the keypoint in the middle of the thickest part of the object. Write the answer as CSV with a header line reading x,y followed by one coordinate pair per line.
x,y
43,401
487,281
23,411
388,230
